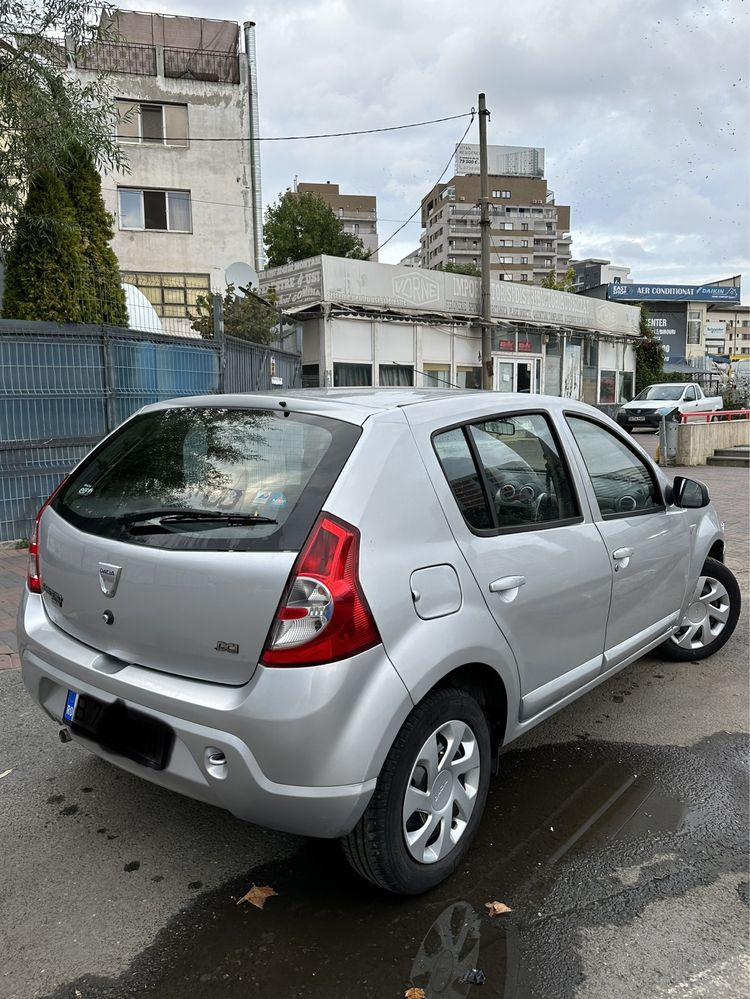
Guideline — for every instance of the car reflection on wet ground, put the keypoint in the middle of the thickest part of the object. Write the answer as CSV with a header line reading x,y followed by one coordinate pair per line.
x,y
576,835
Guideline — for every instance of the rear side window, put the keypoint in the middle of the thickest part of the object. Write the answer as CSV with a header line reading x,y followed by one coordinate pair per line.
x,y
622,483
209,478
508,473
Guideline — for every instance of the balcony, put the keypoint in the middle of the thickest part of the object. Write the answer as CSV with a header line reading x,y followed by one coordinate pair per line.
x,y
199,64
114,57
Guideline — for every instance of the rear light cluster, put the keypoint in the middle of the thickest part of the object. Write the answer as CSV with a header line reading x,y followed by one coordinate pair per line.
x,y
323,615
34,574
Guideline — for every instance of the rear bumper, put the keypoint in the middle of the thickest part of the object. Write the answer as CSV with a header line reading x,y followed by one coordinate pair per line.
x,y
302,752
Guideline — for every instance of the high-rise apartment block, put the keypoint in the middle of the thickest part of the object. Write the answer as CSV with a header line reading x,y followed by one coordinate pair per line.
x,y
530,233
358,212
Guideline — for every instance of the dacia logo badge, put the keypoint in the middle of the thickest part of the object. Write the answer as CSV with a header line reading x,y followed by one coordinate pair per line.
x,y
109,577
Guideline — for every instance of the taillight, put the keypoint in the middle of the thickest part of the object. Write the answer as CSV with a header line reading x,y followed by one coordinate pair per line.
x,y
323,615
34,574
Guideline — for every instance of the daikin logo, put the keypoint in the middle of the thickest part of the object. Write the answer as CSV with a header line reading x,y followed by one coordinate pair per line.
x,y
416,288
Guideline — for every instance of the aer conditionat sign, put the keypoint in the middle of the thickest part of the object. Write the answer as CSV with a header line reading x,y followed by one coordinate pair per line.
x,y
672,293
413,290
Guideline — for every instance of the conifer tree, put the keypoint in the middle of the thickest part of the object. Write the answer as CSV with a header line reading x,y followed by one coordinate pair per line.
x,y
104,299
45,269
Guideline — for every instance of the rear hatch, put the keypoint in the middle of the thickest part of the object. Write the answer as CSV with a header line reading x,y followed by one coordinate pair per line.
x,y
171,544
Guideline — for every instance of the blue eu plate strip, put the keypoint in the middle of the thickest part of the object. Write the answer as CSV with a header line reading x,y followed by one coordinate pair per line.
x,y
70,706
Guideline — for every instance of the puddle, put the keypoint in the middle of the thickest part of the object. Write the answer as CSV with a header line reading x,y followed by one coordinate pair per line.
x,y
562,825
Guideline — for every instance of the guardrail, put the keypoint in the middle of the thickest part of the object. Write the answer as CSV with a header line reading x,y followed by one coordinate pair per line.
x,y
731,414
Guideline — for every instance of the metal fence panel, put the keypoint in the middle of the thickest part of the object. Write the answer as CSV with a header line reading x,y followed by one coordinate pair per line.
x,y
250,367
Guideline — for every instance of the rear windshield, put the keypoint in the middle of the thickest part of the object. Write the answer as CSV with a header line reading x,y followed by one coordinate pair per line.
x,y
215,479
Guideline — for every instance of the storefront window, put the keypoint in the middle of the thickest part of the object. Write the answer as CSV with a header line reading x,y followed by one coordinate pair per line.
x,y
590,367
529,343
310,376
437,376
468,377
607,387
626,386
352,374
392,375
504,339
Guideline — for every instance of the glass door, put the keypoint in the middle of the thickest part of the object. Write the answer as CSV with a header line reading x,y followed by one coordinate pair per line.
x,y
517,375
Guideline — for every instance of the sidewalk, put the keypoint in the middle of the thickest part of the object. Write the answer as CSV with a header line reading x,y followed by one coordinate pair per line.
x,y
729,489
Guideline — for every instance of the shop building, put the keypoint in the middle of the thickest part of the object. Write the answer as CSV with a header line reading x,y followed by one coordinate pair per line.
x,y
383,325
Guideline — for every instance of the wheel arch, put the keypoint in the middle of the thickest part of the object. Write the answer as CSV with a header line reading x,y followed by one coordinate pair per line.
x,y
717,550
487,686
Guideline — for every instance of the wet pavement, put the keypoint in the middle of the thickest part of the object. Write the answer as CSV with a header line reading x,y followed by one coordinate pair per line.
x,y
576,836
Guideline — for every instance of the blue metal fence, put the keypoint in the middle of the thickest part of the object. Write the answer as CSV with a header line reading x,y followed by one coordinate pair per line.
x,y
63,388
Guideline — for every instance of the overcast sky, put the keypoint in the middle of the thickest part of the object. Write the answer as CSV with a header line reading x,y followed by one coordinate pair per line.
x,y
641,106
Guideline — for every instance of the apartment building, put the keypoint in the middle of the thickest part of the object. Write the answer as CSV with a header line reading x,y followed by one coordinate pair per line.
x,y
189,204
529,234
728,329
593,271
358,212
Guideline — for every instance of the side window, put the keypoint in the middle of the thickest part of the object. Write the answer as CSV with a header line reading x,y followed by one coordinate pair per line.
x,y
526,477
463,478
507,473
622,483
690,394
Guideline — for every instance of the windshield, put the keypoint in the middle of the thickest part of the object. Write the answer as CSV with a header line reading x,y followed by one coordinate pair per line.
x,y
210,478
670,392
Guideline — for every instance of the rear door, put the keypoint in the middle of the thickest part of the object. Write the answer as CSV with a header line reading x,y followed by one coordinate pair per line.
x,y
541,566
647,542
171,545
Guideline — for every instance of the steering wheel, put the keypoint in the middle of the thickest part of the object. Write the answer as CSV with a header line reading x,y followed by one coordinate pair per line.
x,y
539,508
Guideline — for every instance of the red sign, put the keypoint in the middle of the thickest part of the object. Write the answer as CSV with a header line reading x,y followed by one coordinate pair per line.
x,y
524,345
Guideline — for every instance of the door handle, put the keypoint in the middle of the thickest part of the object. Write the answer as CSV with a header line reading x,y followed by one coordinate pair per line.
x,y
507,583
622,553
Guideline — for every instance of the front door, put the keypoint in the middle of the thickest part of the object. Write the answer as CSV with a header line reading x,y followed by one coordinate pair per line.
x,y
517,374
648,543
533,548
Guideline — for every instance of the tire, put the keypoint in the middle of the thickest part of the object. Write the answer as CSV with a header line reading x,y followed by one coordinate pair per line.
x,y
377,847
718,593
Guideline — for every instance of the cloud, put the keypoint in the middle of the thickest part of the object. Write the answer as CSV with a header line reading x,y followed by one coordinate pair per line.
x,y
642,108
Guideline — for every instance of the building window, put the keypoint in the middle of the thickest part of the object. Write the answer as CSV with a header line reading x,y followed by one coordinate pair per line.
x,y
164,211
524,242
396,374
524,277
436,376
607,387
694,327
155,124
626,387
507,225
550,227
356,227
524,260
501,194
525,226
468,377
352,374
310,376
172,295
505,260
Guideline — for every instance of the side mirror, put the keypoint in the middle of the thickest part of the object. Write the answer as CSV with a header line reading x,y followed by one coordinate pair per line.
x,y
689,493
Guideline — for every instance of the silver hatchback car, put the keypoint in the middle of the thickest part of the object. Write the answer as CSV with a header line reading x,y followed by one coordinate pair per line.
x,y
328,611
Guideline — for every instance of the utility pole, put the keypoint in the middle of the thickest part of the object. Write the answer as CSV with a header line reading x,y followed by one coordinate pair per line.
x,y
484,223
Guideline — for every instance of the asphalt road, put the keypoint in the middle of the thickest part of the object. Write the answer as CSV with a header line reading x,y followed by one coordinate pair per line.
x,y
617,833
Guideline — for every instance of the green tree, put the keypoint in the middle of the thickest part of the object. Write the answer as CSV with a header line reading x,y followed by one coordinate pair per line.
x,y
471,269
247,318
649,354
104,298
564,284
45,275
302,225
43,108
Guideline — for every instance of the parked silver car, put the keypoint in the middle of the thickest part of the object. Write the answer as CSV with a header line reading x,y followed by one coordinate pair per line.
x,y
328,611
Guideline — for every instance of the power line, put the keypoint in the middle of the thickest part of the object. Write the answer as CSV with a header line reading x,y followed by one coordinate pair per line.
x,y
291,138
419,206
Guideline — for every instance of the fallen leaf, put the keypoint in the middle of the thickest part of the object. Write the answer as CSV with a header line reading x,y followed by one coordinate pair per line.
x,y
79,994
5,773
257,896
415,994
497,908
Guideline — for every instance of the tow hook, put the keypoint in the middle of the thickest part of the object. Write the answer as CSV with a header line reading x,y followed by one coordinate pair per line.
x,y
64,735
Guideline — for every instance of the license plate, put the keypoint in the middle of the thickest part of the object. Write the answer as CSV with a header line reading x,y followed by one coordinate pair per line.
x,y
70,706
637,419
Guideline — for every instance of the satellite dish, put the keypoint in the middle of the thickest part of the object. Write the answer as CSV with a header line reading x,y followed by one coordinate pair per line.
x,y
142,315
241,275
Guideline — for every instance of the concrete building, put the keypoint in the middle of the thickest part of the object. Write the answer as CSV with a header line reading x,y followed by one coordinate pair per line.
x,y
530,233
728,329
592,272
413,259
190,204
381,324
358,212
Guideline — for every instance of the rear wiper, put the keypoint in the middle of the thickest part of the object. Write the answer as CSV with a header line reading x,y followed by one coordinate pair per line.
x,y
184,516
